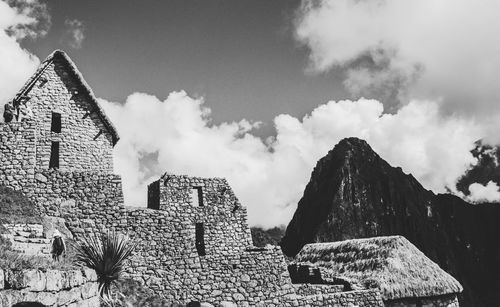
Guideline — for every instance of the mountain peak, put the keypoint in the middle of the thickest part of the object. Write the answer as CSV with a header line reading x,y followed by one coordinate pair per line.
x,y
351,145
353,193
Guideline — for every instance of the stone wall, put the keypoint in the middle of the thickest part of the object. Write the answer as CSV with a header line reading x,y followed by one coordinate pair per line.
x,y
50,287
17,154
449,300
315,289
167,259
28,239
359,298
88,195
85,143
210,201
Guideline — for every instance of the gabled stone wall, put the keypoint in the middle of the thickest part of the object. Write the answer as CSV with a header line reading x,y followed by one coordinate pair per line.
x,y
85,143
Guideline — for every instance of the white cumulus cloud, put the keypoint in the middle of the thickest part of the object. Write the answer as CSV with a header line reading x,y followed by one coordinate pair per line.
x,y
398,50
484,193
17,64
176,134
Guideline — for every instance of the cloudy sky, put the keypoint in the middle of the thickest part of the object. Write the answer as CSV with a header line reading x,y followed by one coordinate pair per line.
x,y
257,91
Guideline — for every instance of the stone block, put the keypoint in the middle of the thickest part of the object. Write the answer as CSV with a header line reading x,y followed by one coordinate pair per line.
x,y
35,280
54,280
46,298
40,177
66,297
238,297
90,274
91,302
89,290
75,278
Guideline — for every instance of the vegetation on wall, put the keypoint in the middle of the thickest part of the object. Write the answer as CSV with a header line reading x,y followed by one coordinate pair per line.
x,y
15,207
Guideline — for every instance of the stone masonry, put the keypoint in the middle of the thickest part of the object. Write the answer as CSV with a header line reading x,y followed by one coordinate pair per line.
x,y
74,288
450,300
58,96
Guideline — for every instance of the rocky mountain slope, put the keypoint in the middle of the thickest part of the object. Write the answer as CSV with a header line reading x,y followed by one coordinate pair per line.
x,y
353,193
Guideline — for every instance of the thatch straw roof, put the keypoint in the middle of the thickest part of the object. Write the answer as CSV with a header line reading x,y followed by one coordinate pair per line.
x,y
392,264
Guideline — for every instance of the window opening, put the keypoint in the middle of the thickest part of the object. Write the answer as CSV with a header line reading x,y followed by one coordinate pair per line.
x,y
196,197
54,155
56,122
200,239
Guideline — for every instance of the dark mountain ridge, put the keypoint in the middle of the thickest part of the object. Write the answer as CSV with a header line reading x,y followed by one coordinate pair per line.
x,y
354,193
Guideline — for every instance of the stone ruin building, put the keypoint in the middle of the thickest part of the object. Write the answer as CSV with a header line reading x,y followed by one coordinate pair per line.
x,y
194,240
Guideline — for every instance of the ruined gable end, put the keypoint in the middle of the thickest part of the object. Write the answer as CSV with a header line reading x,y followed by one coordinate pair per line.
x,y
213,219
73,132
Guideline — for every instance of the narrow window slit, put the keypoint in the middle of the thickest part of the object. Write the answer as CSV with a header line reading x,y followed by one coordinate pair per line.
x,y
196,197
200,239
56,122
54,155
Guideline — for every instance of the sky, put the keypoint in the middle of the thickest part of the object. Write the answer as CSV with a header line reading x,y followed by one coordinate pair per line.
x,y
258,91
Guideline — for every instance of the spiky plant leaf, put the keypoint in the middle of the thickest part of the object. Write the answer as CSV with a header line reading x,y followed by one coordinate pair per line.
x,y
106,254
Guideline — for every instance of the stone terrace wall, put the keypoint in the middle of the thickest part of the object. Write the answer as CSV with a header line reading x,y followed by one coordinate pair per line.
x,y
28,239
315,289
450,300
51,287
85,143
17,154
359,298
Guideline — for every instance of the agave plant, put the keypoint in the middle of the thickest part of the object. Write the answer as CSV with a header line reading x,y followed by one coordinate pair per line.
x,y
107,254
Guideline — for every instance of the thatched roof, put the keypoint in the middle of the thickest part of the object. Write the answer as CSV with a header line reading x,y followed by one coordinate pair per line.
x,y
392,264
59,54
